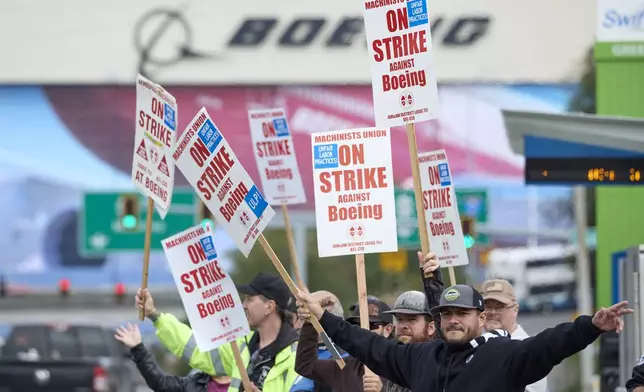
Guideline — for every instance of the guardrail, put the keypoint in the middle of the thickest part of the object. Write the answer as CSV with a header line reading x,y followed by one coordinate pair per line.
x,y
83,300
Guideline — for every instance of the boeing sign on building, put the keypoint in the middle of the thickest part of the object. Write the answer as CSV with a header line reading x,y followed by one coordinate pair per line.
x,y
281,42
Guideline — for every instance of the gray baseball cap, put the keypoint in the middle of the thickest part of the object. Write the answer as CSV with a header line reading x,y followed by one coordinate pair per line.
x,y
411,302
460,296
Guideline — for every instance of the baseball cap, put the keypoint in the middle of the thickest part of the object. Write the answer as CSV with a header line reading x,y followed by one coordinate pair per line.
x,y
270,286
499,290
410,302
460,296
377,312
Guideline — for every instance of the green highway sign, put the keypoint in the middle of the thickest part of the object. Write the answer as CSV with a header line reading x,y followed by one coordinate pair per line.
x,y
471,202
101,230
406,219
474,203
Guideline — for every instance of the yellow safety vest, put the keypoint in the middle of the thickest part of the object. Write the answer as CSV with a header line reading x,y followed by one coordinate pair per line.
x,y
179,339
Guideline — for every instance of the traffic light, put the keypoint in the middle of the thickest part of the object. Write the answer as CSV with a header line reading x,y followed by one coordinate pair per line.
x,y
63,287
119,292
469,234
205,216
129,212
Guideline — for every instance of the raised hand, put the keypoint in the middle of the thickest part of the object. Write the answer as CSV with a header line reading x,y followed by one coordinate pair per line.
x,y
129,335
428,262
141,295
610,319
371,383
308,305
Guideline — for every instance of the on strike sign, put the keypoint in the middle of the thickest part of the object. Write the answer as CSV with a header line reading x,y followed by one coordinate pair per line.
x,y
208,293
441,210
402,64
275,156
156,125
354,192
212,168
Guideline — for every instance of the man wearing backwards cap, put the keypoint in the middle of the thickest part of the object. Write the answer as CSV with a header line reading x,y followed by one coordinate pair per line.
x,y
466,360
268,352
502,310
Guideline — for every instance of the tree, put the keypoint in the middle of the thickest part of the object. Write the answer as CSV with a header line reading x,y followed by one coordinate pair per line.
x,y
584,99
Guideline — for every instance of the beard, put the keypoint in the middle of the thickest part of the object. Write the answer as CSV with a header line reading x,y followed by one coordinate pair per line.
x,y
406,339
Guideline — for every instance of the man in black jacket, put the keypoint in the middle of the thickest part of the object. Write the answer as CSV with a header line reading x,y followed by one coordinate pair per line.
x,y
466,360
156,379
636,383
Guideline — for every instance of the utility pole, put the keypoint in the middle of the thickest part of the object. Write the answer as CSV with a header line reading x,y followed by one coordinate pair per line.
x,y
584,294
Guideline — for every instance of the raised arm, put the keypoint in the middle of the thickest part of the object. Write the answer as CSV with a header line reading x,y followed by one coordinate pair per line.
x,y
157,380
379,354
307,363
533,358
154,377
179,339
432,285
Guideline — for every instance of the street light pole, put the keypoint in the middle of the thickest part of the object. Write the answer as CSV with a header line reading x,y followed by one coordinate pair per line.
x,y
584,295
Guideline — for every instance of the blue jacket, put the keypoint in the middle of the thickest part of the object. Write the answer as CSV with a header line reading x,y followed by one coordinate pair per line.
x,y
302,384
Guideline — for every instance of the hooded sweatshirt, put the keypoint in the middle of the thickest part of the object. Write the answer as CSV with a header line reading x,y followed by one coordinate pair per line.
x,y
490,363
637,379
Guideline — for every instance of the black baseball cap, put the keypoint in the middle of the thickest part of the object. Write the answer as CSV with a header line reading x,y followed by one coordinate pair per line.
x,y
270,286
377,312
460,296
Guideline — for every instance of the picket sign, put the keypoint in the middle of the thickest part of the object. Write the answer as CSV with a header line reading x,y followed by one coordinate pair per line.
x,y
277,165
208,294
440,204
152,165
403,77
354,198
209,164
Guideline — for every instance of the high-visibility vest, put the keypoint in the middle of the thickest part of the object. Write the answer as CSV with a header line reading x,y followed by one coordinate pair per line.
x,y
180,340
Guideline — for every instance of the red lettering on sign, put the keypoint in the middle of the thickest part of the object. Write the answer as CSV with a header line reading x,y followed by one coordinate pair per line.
x,y
235,199
196,253
437,198
212,307
397,19
199,152
202,276
158,108
215,172
273,148
156,129
407,44
352,180
434,176
349,155
368,211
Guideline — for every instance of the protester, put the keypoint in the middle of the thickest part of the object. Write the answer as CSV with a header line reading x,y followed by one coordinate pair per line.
x,y
154,377
502,310
412,303
413,322
636,383
302,384
268,352
466,360
326,371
